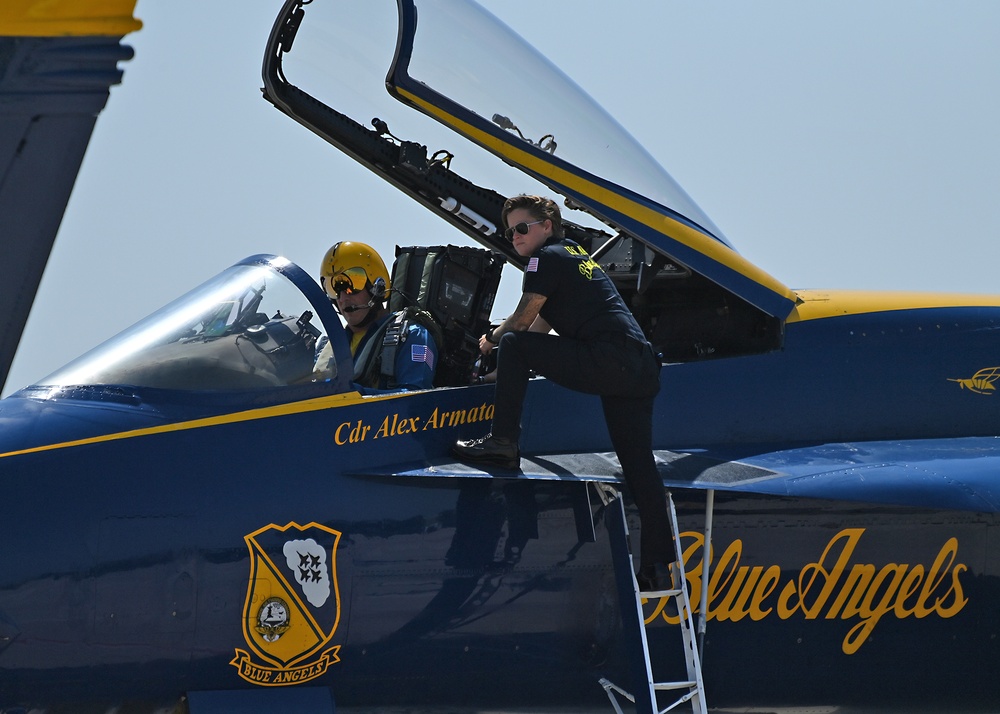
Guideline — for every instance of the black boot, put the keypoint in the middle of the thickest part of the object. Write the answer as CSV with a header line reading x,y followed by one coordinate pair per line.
x,y
657,578
489,450
654,578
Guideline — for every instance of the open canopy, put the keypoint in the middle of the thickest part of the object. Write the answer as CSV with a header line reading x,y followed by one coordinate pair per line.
x,y
455,62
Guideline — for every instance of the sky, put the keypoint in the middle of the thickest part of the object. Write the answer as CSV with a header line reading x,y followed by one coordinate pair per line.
x,y
850,144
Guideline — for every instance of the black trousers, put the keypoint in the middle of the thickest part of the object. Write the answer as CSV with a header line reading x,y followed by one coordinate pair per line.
x,y
626,375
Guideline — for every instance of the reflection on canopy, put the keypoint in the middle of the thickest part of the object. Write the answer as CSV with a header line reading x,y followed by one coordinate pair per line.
x,y
250,327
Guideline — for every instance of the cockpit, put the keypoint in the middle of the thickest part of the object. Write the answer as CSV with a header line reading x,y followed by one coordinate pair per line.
x,y
256,328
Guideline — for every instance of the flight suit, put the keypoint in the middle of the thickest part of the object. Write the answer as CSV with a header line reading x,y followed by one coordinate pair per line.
x,y
414,361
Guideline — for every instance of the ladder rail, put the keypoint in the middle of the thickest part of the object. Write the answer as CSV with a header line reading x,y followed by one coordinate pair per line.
x,y
692,656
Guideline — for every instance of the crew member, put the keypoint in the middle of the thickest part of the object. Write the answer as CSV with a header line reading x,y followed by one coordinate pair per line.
x,y
599,349
391,351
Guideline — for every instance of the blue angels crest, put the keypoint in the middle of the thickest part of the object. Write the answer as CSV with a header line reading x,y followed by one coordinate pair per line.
x,y
292,606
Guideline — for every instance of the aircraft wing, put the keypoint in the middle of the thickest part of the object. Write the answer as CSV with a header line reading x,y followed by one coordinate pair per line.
x,y
57,63
957,473
952,473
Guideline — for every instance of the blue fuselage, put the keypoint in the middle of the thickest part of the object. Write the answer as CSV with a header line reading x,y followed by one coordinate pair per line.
x,y
130,571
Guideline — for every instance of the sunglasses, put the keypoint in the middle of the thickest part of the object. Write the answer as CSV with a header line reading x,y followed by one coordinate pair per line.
x,y
350,281
521,228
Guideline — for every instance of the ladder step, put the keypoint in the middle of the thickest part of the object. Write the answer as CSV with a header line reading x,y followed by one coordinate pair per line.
x,y
654,594
663,686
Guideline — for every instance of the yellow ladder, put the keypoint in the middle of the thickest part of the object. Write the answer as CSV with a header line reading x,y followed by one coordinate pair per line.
x,y
646,691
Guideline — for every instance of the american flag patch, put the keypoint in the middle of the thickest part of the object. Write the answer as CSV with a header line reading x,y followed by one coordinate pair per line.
x,y
420,353
532,265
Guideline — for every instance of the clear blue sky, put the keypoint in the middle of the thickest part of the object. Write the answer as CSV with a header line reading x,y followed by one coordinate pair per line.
x,y
837,144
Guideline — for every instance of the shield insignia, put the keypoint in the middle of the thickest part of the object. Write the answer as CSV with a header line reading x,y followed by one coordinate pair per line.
x,y
292,606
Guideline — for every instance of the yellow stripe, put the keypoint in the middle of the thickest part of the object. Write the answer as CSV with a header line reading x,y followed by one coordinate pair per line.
x,y
67,18
681,232
819,304
310,405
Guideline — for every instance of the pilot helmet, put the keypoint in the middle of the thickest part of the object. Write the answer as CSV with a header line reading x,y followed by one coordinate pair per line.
x,y
353,266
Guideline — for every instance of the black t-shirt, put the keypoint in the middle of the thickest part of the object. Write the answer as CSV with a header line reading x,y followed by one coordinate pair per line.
x,y
581,301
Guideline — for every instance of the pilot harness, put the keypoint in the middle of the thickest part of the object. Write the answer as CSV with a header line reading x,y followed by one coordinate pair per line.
x,y
377,367
449,290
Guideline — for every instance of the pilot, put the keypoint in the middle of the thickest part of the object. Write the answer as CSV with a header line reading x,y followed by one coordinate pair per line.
x,y
599,349
391,351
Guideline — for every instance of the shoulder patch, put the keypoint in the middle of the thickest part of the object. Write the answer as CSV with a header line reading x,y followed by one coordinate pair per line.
x,y
532,266
421,353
